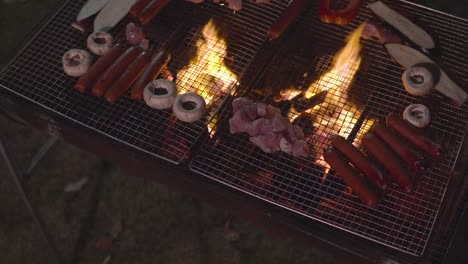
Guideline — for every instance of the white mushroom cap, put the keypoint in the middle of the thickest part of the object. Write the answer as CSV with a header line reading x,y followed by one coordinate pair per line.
x,y
76,62
160,94
418,115
418,80
100,42
185,114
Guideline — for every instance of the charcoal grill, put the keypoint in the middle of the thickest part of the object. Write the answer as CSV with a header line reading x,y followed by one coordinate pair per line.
x,y
403,225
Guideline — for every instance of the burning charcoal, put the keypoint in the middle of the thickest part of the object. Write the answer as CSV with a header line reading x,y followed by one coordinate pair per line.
x,y
301,103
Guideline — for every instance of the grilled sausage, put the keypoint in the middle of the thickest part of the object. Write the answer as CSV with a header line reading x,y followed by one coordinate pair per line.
x,y
152,71
360,161
87,79
414,136
366,193
289,15
128,77
152,10
114,71
411,157
136,9
377,149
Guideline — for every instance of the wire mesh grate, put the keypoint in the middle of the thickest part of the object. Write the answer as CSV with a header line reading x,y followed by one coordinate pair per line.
x,y
221,52
401,221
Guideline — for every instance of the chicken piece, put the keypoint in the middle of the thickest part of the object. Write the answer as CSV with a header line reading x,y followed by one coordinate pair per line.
x,y
264,125
268,142
265,110
240,102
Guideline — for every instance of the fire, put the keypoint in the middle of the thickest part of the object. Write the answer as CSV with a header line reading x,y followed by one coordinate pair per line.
x,y
206,73
337,116
345,65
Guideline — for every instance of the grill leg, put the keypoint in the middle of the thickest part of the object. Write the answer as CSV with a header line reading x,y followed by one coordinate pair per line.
x,y
17,178
39,155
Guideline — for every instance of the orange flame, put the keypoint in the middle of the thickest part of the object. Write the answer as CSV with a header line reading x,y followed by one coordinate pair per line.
x,y
337,82
206,73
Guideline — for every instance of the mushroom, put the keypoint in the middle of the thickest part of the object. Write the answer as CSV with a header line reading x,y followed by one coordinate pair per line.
x,y
418,115
160,94
420,79
189,107
100,42
76,62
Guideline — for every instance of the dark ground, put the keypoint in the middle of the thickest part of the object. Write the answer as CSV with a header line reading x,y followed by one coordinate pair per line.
x,y
160,225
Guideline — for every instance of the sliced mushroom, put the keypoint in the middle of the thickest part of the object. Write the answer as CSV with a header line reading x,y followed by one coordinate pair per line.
x,y
76,62
100,42
420,80
189,107
418,115
160,94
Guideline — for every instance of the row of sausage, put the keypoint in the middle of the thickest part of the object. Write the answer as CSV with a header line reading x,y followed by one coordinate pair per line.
x,y
391,147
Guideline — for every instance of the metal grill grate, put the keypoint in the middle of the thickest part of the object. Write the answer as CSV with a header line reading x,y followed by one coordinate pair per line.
x,y
401,221
36,72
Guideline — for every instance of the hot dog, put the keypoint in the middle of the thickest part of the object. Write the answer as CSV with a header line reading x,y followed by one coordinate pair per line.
x,y
152,71
128,77
136,9
376,148
414,136
151,10
288,16
87,79
114,71
411,157
366,193
360,161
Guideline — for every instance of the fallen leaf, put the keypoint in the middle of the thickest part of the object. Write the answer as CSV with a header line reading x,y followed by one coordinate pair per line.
x,y
76,186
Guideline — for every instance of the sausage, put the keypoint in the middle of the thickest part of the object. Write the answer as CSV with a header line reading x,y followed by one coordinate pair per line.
x,y
98,68
289,15
128,77
376,148
152,71
359,161
151,10
114,71
411,157
136,9
366,193
414,136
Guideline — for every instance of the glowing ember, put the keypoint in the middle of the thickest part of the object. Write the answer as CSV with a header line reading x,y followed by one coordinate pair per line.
x,y
206,73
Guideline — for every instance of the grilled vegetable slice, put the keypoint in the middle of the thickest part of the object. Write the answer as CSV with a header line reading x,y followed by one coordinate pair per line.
x,y
111,14
402,24
90,8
